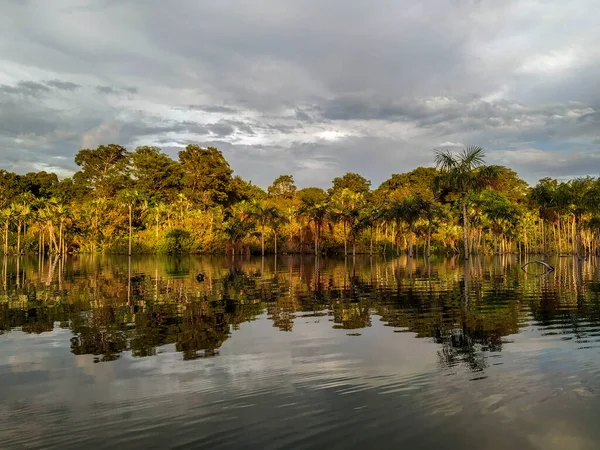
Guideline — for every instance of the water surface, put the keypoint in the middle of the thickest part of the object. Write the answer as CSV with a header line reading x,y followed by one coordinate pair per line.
x,y
298,352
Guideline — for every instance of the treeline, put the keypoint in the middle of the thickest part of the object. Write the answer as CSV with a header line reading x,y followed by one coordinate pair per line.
x,y
146,202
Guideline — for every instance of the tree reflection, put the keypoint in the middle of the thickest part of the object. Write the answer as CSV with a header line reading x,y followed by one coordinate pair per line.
x,y
139,305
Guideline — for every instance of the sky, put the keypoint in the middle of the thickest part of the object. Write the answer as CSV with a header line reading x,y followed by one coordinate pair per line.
x,y
311,88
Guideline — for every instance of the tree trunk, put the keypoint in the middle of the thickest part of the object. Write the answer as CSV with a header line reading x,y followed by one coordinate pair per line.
x,y
130,228
60,239
465,224
345,241
428,253
19,238
262,239
544,236
6,238
275,243
574,237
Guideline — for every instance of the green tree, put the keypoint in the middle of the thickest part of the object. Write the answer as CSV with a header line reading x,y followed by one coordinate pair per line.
x,y
40,184
464,173
206,175
156,175
104,169
10,187
419,181
283,186
244,191
351,181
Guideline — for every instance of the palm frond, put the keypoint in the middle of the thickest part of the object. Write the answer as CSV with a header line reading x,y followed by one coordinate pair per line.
x,y
445,160
473,156
488,177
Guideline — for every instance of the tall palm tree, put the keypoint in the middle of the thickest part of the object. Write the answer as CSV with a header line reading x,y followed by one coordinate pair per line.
x,y
264,213
316,212
464,173
238,225
369,218
543,197
61,214
183,204
430,213
129,198
345,206
155,212
582,200
276,220
22,213
6,217
408,210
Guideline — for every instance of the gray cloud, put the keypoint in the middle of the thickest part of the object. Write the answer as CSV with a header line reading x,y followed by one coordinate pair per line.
x,y
63,85
315,87
213,109
29,88
539,164
108,90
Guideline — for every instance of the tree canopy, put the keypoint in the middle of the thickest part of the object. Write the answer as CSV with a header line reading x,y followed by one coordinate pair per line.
x,y
147,201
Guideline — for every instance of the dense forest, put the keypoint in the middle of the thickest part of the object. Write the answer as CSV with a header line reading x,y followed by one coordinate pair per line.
x,y
146,202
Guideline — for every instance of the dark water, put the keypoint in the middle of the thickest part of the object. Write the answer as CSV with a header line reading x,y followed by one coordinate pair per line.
x,y
298,353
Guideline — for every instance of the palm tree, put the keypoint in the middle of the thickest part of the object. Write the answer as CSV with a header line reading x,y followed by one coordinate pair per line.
x,y
501,214
239,225
543,198
61,213
316,212
582,200
264,213
182,203
369,218
408,210
156,211
6,217
464,173
345,207
129,198
21,212
276,220
290,214
46,215
430,212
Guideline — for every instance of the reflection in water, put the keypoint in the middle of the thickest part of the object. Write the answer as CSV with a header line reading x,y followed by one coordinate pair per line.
x,y
117,305
401,314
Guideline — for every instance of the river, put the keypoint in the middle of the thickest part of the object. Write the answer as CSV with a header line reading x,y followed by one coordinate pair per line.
x,y
299,352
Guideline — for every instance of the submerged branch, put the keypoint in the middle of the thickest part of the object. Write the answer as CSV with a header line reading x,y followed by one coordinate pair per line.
x,y
548,267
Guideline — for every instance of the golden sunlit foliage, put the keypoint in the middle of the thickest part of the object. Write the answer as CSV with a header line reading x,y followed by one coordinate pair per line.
x,y
146,202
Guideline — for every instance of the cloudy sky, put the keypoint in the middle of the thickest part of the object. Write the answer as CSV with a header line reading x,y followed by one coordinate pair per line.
x,y
314,88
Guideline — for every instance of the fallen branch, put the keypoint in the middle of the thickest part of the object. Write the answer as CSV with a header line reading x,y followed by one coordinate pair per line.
x,y
548,267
